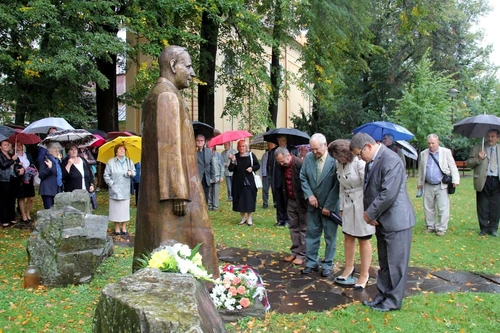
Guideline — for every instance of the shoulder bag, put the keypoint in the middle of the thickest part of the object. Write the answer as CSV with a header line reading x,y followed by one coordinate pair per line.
x,y
258,181
446,178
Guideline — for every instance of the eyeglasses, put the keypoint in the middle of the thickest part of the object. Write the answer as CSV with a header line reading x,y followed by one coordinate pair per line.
x,y
361,151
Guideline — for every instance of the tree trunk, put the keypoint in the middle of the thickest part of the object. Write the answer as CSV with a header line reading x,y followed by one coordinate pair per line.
x,y
208,53
106,100
275,64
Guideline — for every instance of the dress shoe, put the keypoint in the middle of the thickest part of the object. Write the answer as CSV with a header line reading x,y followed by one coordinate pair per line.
x,y
289,258
482,233
429,231
277,224
286,225
298,261
309,270
370,303
326,272
494,234
344,278
381,308
360,286
440,233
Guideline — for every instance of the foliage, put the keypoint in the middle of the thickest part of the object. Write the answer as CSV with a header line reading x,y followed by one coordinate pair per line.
x,y
425,106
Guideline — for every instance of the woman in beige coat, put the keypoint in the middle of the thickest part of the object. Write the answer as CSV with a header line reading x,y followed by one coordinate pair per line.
x,y
351,174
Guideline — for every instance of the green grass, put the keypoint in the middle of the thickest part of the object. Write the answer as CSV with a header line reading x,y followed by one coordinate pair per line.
x,y
71,309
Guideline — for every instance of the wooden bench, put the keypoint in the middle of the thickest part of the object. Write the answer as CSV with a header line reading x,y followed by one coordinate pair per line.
x,y
462,166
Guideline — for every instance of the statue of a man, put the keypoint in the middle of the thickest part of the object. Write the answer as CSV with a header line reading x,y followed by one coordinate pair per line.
x,y
171,204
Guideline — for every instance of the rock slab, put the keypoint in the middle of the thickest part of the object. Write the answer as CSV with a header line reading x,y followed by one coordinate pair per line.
x,y
69,243
150,301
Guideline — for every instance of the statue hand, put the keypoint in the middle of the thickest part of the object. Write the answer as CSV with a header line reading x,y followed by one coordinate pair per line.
x,y
180,207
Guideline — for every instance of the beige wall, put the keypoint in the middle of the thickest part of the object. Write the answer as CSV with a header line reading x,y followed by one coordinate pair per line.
x,y
286,107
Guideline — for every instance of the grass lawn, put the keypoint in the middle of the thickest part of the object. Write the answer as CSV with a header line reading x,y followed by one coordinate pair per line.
x,y
71,309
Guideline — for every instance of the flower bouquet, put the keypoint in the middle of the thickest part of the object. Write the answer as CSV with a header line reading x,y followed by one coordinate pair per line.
x,y
178,258
237,288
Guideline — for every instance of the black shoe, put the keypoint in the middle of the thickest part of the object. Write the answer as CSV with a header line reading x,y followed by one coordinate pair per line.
x,y
381,308
278,224
124,233
265,207
309,270
482,233
287,225
370,303
494,234
326,272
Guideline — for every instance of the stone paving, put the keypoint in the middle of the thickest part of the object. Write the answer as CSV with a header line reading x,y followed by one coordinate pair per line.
x,y
291,292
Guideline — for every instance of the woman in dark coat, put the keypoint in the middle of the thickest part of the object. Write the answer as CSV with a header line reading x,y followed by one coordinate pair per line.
x,y
243,164
9,184
76,171
50,174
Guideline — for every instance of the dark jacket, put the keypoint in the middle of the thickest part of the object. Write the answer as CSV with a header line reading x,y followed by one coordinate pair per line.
x,y
72,180
5,168
273,169
296,184
48,177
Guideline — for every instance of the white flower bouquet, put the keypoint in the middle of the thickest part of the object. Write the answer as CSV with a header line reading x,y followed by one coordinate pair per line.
x,y
178,258
237,288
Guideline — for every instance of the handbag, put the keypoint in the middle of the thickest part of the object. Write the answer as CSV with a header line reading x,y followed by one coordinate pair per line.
x,y
93,200
446,178
258,181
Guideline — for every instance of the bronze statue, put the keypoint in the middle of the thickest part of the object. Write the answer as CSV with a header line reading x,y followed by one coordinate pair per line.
x,y
171,204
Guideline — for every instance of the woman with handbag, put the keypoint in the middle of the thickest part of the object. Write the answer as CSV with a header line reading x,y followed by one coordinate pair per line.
x,y
243,165
118,175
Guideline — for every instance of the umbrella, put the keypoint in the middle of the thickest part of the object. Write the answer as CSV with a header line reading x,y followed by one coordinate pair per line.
x,y
377,130
229,136
258,142
80,137
132,143
293,136
204,129
477,126
407,149
98,131
24,138
6,131
99,142
43,125
113,135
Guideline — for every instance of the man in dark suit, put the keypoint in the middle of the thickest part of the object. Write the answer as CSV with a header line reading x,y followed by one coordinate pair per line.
x,y
388,208
205,165
296,205
484,160
274,175
321,189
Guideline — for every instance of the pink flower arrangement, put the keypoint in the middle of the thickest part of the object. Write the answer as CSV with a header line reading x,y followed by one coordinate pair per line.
x,y
245,302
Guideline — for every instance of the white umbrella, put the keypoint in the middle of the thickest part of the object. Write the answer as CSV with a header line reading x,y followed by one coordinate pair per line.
x,y
43,125
80,137
407,149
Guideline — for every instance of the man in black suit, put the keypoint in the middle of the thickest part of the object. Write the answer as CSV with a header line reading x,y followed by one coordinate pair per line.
x,y
274,177
296,204
388,208
205,165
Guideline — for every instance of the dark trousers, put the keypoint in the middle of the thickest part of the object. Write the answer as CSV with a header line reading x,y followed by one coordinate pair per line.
x,y
7,202
48,201
136,191
279,200
297,213
206,189
488,205
265,191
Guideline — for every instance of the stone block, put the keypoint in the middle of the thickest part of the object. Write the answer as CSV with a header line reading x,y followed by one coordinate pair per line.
x,y
153,301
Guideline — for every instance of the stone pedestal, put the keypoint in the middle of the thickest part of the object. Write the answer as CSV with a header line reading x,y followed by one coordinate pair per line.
x,y
68,242
153,301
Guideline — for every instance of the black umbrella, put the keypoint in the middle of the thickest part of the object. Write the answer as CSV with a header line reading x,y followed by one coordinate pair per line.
x,y
204,129
98,132
294,137
477,126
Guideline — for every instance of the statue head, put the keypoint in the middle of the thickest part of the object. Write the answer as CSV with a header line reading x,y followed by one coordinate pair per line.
x,y
175,66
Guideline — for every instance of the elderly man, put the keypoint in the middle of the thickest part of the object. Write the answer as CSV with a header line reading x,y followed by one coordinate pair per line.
x,y
321,189
171,205
296,205
388,208
274,172
484,161
433,162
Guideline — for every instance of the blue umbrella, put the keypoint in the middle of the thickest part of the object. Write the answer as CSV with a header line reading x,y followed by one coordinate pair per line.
x,y
378,129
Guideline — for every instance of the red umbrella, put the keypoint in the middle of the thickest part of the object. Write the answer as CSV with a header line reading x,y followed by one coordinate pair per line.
x,y
113,135
100,141
229,136
24,138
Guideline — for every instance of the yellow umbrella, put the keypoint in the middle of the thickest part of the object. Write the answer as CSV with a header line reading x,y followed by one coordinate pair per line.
x,y
132,143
